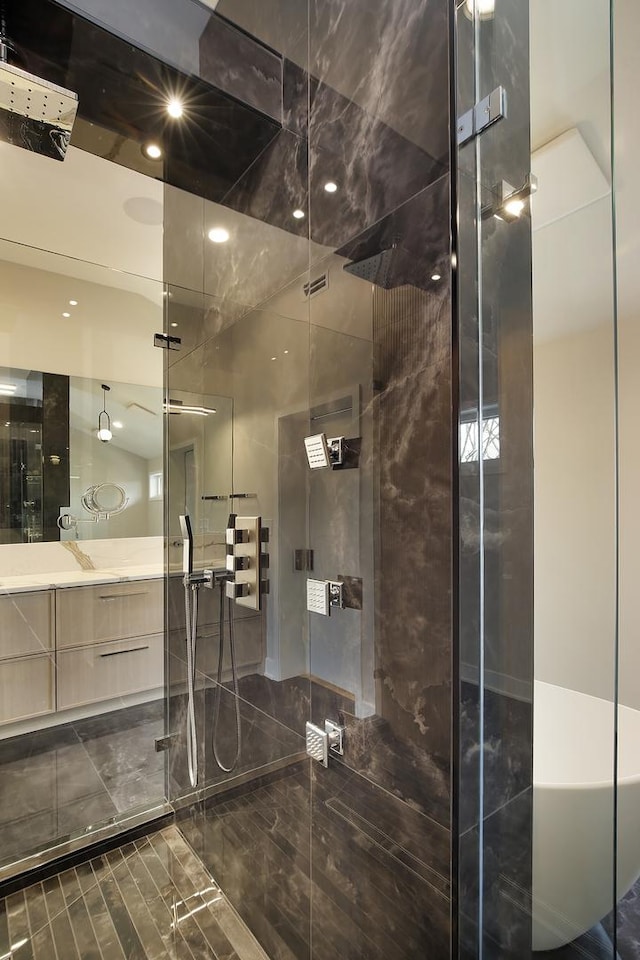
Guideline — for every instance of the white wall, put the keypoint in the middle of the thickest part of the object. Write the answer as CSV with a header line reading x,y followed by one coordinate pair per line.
x,y
96,462
574,449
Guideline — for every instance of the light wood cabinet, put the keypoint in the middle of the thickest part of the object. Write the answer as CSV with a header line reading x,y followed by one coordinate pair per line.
x,y
108,612
27,655
76,646
26,623
103,671
27,687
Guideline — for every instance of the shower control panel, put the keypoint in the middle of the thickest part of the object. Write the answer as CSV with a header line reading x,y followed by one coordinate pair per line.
x,y
247,561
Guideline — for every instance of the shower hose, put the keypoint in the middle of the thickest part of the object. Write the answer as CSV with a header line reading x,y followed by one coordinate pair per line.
x,y
191,622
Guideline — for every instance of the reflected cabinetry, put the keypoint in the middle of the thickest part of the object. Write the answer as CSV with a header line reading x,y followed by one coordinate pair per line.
x,y
27,648
79,646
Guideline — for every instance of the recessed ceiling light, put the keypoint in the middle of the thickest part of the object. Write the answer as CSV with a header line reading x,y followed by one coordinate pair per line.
x,y
175,108
274,358
33,431
218,235
73,303
152,151
298,214
330,186
286,351
173,323
66,314
118,424
435,276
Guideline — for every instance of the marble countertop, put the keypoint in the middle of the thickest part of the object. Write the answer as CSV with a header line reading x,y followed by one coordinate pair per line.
x,y
78,578
62,579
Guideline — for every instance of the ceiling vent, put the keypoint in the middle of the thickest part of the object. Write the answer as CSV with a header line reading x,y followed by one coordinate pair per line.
x,y
315,286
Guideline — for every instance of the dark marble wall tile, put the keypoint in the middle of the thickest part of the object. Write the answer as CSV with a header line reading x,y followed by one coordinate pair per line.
x,y
276,184
295,98
414,572
387,861
257,845
55,451
379,113
237,63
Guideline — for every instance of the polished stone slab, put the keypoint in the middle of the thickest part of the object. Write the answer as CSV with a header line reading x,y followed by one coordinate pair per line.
x,y
56,782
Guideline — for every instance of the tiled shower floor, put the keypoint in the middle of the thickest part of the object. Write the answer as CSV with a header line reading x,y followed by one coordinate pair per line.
x,y
55,782
148,900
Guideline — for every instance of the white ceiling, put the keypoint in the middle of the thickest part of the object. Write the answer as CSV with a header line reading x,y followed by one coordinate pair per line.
x,y
138,409
570,134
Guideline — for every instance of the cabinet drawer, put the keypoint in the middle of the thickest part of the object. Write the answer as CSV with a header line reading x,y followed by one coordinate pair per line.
x,y
108,612
107,670
26,623
26,688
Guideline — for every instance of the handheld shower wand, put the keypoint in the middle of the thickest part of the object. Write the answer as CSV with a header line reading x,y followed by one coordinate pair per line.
x,y
191,625
231,522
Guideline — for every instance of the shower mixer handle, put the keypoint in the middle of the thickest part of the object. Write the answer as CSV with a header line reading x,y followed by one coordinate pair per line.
x,y
247,560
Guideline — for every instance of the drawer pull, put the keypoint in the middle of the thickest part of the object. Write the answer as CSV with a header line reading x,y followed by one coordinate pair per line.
x,y
117,653
120,596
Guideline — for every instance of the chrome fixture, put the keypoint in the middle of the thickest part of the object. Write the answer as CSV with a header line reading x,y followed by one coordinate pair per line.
x,y
102,501
34,113
320,743
104,420
192,582
508,204
324,594
247,561
323,452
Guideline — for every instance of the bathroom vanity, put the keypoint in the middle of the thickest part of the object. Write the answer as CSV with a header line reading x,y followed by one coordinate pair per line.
x,y
78,642
77,646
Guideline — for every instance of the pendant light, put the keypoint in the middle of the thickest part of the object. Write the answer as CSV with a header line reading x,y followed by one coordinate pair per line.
x,y
104,420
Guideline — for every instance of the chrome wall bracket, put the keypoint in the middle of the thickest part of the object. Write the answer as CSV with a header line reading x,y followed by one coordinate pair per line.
x,y
166,742
321,742
488,111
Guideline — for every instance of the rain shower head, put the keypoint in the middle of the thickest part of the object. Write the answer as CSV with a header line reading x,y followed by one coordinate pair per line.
x,y
375,269
34,113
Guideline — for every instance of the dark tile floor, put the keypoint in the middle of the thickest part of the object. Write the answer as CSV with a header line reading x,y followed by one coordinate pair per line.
x,y
322,863
56,782
148,900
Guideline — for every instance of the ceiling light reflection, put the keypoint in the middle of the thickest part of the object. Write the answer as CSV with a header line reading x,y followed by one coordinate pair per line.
x,y
218,235
152,151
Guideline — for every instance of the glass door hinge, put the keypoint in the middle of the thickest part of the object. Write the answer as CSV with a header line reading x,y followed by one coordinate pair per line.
x,y
166,342
488,111
166,742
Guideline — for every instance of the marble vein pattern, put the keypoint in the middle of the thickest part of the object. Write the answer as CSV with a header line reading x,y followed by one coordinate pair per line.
x,y
151,899
240,65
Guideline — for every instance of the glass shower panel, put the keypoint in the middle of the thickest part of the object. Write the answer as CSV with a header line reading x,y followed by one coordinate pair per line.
x,y
625,26
81,652
244,352
380,524
545,570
